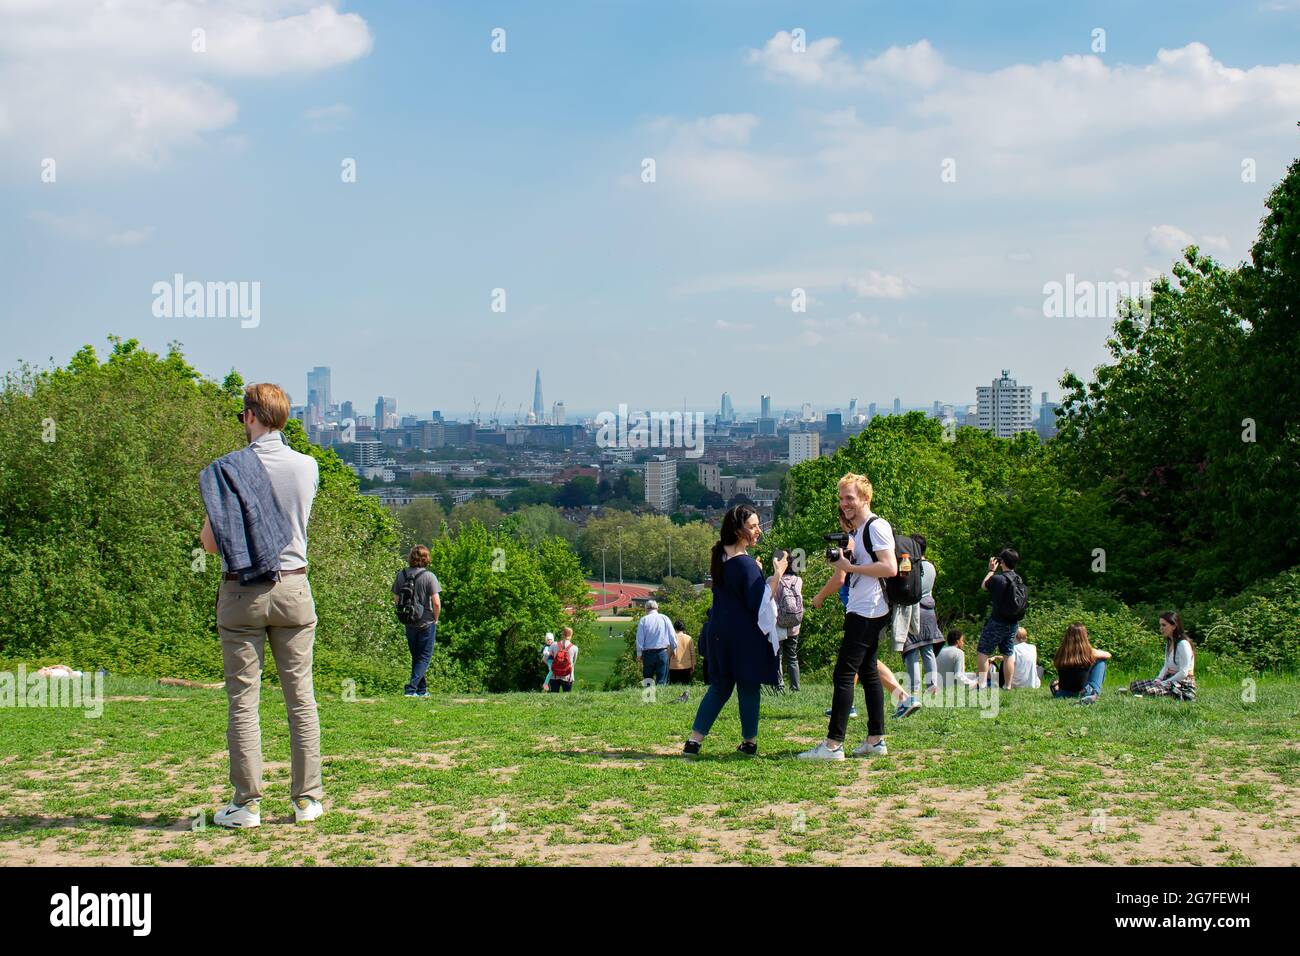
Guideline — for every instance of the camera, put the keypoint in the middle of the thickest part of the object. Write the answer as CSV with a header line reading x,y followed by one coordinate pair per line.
x,y
840,542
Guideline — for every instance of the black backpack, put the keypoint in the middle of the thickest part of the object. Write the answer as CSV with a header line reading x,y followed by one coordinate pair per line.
x,y
1015,598
904,588
409,608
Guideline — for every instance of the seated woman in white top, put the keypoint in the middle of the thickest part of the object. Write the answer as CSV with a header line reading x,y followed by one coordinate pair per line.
x,y
1177,677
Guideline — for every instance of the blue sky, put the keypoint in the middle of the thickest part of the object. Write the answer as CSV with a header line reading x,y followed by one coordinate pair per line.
x,y
775,169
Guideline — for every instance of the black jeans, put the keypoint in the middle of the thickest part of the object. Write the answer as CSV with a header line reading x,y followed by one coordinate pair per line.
x,y
789,661
857,657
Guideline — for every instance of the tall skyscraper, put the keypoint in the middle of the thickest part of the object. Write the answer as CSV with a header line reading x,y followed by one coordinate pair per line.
x,y
539,410
1004,407
557,413
318,394
806,413
853,409
728,411
348,411
834,423
938,409
871,410
385,412
898,407
1046,426
765,404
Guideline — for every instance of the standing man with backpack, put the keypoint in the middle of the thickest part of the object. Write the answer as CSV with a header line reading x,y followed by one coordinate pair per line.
x,y
416,592
866,562
789,615
562,655
1010,599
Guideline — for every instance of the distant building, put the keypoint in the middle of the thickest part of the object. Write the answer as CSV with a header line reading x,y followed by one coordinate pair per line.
x,y
318,394
1004,407
767,426
366,454
348,411
709,477
765,406
834,423
661,483
385,413
804,446
871,411
853,409
1046,426
558,414
898,406
538,408
728,411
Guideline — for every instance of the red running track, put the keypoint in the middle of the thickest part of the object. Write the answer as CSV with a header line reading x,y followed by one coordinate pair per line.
x,y
615,595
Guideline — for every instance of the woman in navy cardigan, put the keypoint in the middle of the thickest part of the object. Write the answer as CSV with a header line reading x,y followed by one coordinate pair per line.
x,y
740,655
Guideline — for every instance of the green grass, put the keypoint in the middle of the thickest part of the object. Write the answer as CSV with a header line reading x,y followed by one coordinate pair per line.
x,y
596,663
596,777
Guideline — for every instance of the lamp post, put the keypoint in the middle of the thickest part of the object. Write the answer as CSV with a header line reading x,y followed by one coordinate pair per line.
x,y
620,554
604,594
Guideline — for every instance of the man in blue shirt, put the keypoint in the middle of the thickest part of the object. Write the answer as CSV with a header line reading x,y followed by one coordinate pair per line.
x,y
656,639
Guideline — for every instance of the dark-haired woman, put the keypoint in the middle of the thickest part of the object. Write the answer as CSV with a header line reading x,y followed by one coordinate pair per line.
x,y
741,656
1177,677
1080,667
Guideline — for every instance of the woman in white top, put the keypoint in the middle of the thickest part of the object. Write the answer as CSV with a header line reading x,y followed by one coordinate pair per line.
x,y
1177,678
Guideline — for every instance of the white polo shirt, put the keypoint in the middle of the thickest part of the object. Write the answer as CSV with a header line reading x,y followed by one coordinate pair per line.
x,y
866,596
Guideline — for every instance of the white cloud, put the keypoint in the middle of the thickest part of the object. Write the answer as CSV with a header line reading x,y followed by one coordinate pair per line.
x,y
863,218
1166,240
878,285
327,119
86,227
122,82
821,63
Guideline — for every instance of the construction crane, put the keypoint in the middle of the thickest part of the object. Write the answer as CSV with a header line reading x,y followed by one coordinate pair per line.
x,y
496,412
474,417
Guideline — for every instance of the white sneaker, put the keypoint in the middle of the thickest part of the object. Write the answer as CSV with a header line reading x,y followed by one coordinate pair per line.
x,y
305,810
822,752
239,818
865,749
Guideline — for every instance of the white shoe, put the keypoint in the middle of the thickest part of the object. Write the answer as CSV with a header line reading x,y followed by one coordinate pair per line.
x,y
305,810
865,749
822,752
239,818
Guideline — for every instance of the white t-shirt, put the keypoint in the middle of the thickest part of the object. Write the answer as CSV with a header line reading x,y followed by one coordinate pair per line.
x,y
866,596
1026,657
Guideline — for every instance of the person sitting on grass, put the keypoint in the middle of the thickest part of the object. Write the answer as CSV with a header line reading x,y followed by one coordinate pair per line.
x,y
952,661
546,658
1024,663
1080,667
1176,678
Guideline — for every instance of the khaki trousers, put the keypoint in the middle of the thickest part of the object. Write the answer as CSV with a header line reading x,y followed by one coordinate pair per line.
x,y
246,616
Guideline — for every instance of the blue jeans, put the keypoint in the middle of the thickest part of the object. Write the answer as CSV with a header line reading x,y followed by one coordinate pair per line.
x,y
1093,684
655,664
912,661
718,694
420,640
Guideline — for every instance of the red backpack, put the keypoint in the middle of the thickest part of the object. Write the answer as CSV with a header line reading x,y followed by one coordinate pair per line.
x,y
561,664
